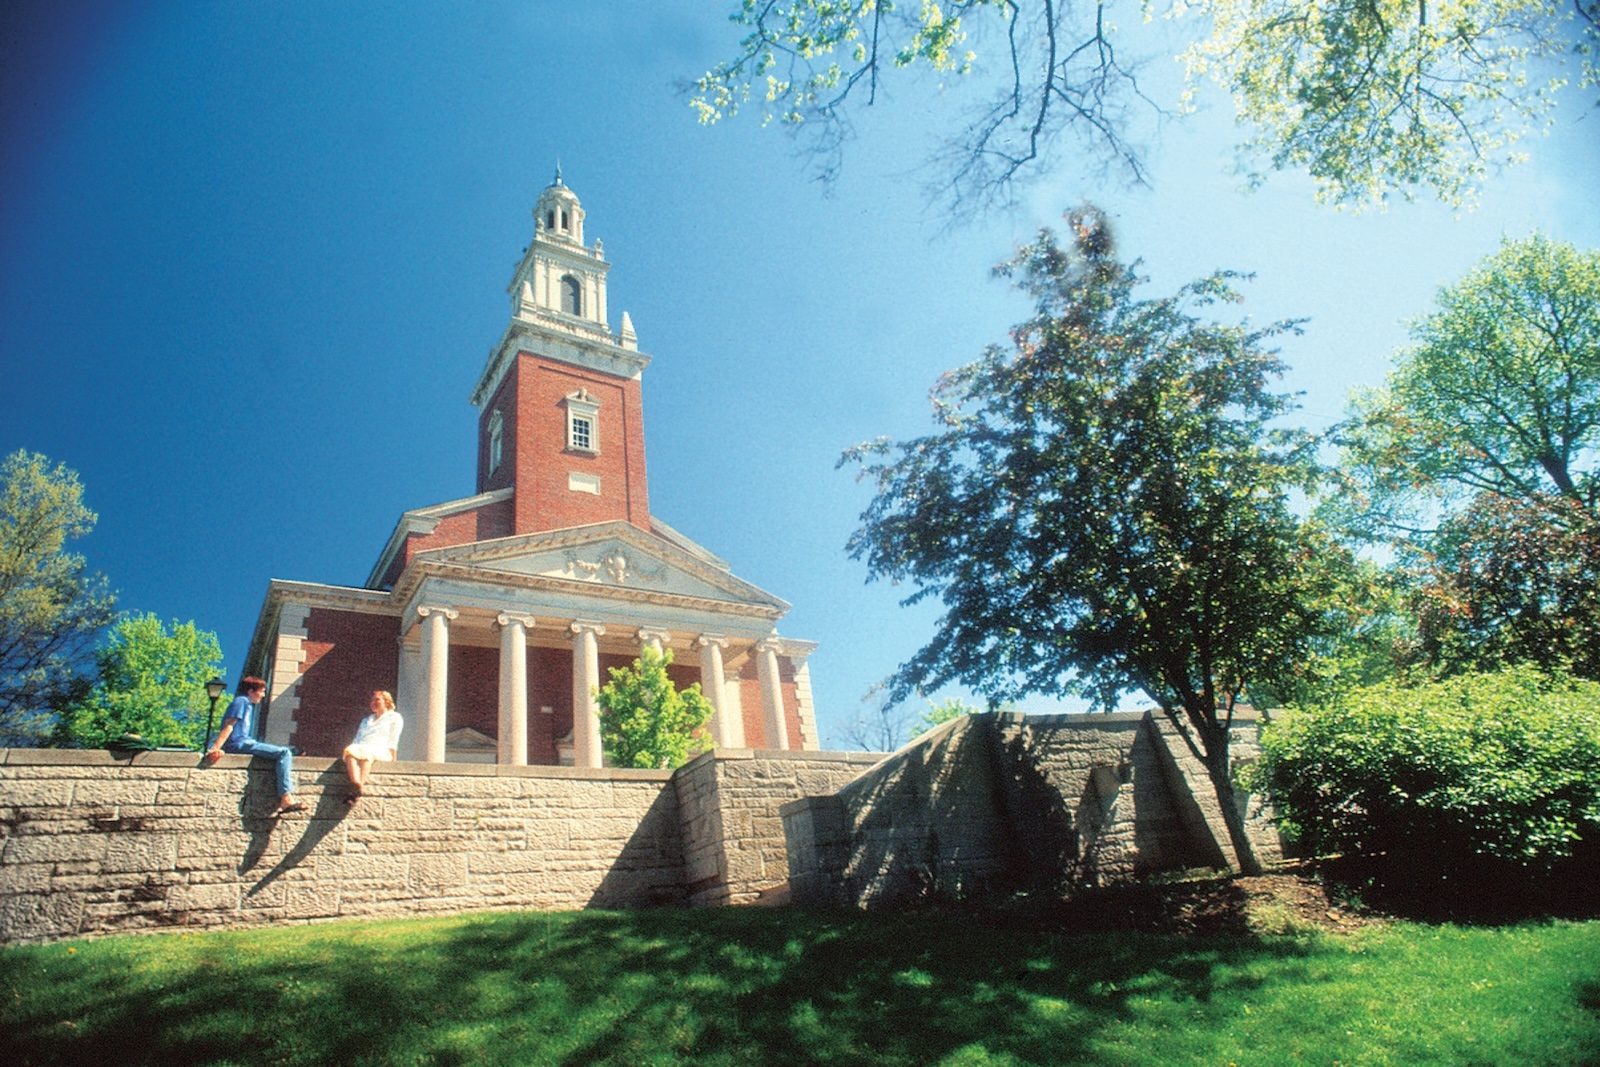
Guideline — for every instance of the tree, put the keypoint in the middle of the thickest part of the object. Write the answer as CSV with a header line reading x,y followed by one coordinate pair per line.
x,y
1105,509
1372,97
1514,581
1476,462
645,721
1500,394
150,683
51,607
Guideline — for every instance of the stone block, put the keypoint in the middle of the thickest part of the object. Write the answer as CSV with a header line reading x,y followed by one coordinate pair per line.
x,y
25,878
36,792
54,848
431,874
219,897
141,852
310,901
39,916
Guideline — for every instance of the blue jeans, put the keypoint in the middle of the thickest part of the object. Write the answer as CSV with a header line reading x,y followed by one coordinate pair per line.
x,y
249,746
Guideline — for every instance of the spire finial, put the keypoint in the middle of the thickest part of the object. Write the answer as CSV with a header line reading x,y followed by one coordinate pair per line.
x,y
558,172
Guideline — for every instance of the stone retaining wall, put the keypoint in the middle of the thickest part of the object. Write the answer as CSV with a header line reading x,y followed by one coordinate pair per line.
x,y
1000,803
92,842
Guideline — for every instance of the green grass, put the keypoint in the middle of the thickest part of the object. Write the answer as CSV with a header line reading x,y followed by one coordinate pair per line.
x,y
780,986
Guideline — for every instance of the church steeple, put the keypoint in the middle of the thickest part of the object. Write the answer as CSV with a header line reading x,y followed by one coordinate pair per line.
x,y
560,407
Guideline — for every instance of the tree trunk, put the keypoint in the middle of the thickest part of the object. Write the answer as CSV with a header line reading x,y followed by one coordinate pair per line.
x,y
1227,798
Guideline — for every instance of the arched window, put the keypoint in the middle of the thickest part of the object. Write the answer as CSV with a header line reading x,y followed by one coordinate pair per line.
x,y
496,440
566,224
571,296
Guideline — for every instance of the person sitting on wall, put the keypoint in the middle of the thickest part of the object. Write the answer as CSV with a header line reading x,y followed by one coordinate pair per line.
x,y
236,738
377,738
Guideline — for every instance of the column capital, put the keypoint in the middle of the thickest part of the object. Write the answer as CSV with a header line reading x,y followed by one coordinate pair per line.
x,y
506,618
772,644
651,636
720,640
580,626
424,610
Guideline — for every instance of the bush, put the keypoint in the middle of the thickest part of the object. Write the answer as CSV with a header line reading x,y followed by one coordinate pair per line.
x,y
645,721
1479,774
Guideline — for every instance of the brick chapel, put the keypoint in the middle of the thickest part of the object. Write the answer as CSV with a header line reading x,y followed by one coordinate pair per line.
x,y
493,618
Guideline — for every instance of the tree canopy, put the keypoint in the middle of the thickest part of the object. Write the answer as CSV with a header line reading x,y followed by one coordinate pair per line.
x,y
646,721
1373,99
1105,509
1477,462
1500,392
150,683
51,606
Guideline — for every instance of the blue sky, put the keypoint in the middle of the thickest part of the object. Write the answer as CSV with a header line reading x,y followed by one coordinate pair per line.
x,y
253,256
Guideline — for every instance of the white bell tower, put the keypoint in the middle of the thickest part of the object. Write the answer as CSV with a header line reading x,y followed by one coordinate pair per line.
x,y
560,283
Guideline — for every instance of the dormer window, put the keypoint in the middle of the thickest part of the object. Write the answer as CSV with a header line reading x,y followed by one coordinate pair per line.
x,y
583,422
496,440
571,295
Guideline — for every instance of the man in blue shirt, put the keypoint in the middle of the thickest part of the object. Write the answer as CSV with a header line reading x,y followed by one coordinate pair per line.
x,y
237,737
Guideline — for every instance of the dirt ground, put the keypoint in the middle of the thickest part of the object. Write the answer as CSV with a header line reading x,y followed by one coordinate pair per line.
x,y
1282,901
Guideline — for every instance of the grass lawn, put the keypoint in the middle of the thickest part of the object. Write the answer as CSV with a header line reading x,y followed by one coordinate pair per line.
x,y
780,986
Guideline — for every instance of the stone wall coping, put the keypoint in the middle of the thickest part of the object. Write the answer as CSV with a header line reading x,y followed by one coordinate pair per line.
x,y
99,757
90,757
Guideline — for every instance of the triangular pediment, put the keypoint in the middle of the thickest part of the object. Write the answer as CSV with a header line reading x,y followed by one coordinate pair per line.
x,y
604,556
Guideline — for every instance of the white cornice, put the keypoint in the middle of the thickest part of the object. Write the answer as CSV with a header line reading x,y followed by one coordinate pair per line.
x,y
544,339
424,521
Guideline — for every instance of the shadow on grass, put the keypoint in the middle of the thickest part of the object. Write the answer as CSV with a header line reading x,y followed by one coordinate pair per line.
x,y
734,986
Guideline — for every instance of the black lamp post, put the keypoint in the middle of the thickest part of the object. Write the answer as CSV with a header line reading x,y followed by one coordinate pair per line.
x,y
214,689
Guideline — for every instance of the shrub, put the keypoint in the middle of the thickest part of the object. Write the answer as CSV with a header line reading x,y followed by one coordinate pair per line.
x,y
1480,773
645,721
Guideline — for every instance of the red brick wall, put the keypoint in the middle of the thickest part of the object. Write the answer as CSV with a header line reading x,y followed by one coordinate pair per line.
x,y
503,401
541,462
549,686
755,729
465,527
348,655
473,695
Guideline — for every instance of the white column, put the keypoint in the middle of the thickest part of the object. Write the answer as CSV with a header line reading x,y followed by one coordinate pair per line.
x,y
771,694
586,748
408,696
513,748
711,646
436,671
656,639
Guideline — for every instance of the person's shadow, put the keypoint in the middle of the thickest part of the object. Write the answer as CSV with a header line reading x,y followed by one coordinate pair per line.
x,y
260,797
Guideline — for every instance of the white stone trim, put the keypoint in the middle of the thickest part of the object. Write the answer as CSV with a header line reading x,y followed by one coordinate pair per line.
x,y
809,738
288,664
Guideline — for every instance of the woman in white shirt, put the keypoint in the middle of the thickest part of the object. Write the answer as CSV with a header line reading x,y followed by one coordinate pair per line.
x,y
378,738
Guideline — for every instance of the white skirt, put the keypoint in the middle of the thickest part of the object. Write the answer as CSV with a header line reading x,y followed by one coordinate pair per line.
x,y
372,752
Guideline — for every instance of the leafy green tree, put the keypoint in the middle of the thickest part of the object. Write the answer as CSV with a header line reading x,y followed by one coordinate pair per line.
x,y
150,683
1514,581
1372,97
51,607
1500,394
1105,510
1479,773
1477,462
946,710
646,721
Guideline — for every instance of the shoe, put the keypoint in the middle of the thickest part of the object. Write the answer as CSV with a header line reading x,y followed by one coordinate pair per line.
x,y
297,806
